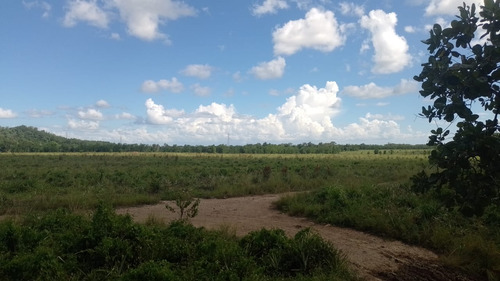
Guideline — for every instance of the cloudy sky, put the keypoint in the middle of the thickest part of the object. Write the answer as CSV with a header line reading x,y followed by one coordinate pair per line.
x,y
212,72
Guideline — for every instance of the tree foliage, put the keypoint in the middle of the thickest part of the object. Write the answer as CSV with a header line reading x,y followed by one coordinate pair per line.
x,y
30,139
462,78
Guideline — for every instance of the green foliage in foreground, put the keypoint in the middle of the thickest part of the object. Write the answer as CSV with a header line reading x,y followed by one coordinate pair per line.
x,y
463,81
63,246
472,244
40,182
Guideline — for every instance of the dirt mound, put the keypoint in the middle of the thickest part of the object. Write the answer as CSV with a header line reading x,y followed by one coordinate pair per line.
x,y
373,257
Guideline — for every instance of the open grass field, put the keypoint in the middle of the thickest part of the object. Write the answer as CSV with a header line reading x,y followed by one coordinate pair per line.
x,y
33,182
366,190
50,241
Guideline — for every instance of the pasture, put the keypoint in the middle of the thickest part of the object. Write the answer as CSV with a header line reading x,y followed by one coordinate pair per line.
x,y
366,189
36,182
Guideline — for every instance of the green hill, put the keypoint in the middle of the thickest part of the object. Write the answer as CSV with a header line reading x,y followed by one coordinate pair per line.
x,y
30,139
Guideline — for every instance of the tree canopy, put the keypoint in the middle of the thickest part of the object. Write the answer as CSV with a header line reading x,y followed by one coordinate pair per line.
x,y
462,78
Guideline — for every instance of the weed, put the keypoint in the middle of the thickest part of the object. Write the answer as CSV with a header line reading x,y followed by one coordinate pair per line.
x,y
187,205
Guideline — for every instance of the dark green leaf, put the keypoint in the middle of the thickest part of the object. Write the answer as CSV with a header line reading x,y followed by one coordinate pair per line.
x,y
437,29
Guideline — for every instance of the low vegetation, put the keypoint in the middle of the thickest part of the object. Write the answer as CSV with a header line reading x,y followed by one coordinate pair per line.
x,y
395,211
61,245
36,182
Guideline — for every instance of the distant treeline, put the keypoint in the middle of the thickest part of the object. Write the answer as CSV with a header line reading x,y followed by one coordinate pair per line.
x,y
30,139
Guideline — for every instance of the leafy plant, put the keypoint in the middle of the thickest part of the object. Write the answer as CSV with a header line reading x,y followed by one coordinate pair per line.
x,y
187,205
459,77
106,246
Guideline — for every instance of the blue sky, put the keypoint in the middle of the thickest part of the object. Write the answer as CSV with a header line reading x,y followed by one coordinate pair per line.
x,y
203,72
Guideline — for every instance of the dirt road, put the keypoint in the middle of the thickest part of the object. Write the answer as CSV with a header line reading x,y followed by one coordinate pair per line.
x,y
373,257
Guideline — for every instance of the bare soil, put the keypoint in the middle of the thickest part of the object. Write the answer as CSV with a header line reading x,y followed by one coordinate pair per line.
x,y
374,258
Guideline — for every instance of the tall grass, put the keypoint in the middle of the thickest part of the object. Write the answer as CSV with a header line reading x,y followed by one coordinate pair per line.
x,y
38,182
472,244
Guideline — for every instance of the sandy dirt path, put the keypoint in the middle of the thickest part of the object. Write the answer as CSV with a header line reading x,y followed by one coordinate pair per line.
x,y
372,257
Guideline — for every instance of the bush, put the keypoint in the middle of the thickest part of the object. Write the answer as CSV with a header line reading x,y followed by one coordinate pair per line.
x,y
305,254
105,246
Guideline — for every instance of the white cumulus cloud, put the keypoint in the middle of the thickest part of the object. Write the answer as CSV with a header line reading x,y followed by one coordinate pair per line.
x,y
309,112
269,7
173,85
319,30
86,11
7,113
269,70
307,115
220,111
372,91
373,129
143,17
90,114
202,71
158,115
102,103
391,50
83,124
448,7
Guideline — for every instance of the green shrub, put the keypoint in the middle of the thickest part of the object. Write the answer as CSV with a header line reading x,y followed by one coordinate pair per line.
x,y
151,271
472,244
60,245
305,254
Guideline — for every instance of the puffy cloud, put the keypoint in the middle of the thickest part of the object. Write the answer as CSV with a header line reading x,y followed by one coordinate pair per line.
x,y
158,115
319,30
143,17
309,112
83,124
86,11
173,85
373,129
269,70
372,91
269,7
219,111
90,114
351,9
391,50
200,90
201,71
305,116
447,7
7,113
102,103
